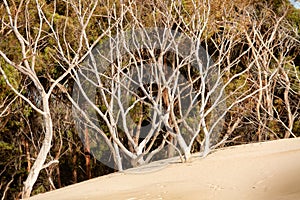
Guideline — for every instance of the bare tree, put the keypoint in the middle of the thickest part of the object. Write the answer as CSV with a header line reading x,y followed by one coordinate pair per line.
x,y
30,43
272,49
148,92
149,89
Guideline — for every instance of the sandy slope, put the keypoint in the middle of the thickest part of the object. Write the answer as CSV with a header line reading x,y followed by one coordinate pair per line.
x,y
261,171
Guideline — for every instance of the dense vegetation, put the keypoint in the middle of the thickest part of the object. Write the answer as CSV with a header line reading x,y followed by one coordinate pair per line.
x,y
263,35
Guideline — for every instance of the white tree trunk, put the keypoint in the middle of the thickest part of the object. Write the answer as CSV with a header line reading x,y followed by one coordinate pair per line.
x,y
41,158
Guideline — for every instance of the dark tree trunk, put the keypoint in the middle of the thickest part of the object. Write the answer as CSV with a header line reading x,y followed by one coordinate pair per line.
x,y
87,153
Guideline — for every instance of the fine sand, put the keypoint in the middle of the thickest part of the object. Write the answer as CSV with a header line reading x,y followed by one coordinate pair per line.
x,y
259,171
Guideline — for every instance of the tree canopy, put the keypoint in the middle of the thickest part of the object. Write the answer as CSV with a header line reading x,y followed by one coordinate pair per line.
x,y
254,45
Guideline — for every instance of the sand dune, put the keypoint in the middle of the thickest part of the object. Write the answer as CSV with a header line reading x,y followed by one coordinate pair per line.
x,y
260,171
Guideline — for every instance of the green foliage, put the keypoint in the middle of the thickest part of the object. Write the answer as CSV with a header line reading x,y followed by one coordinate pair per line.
x,y
294,17
296,127
39,189
4,146
12,75
23,124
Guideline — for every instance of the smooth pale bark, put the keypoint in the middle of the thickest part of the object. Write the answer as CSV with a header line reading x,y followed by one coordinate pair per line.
x,y
288,106
42,155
